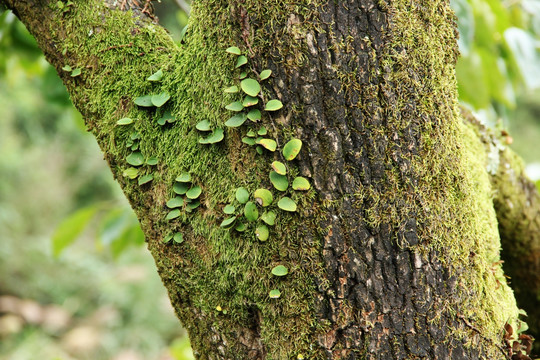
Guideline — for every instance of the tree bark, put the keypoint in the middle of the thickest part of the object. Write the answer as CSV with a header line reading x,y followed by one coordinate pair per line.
x,y
393,253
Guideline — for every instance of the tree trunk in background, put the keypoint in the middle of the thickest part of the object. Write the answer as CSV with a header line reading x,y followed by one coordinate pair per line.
x,y
393,253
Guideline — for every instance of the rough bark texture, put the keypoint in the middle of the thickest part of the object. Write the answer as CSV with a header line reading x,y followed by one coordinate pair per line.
x,y
393,254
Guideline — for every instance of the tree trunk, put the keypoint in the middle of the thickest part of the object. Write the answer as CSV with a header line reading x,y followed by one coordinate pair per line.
x,y
392,254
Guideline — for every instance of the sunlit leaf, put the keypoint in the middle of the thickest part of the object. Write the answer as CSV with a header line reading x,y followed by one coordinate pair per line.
x,y
250,211
265,74
157,76
280,270
242,195
291,149
273,105
287,204
160,99
250,87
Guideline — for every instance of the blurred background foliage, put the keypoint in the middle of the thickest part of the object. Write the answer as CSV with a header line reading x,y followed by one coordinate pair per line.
x,y
102,298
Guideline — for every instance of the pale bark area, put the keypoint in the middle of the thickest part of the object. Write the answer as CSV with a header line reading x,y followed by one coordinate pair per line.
x,y
396,256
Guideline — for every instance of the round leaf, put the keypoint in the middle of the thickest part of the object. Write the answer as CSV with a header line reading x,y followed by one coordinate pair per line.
x,y
145,101
262,232
160,99
157,76
300,183
184,177
280,182
241,227
262,131
146,179
249,141
291,149
259,150
273,105
180,188
233,50
235,106
228,222
279,167
250,87
131,173
203,125
173,214
243,75
236,121
265,74
254,115
268,144
76,72
175,202
274,294
242,195
215,137
124,121
269,218
280,270
194,192
263,197
287,204
152,160
250,211
135,159
250,101
231,89
229,209
242,60
178,238
193,205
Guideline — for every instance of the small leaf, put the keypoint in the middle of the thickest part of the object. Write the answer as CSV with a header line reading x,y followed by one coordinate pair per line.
x,y
262,131
135,147
157,76
178,238
229,209
249,141
250,211
145,100
135,159
194,192
167,238
291,149
268,144
279,167
160,99
234,50
152,160
227,223
254,115
273,105
175,202
259,150
124,121
231,89
146,179
235,106
300,183
250,101
251,133
287,204
180,188
193,205
250,87
263,197
131,173
173,214
280,270
135,135
183,177
215,137
274,294
243,74
262,232
241,227
67,68
242,195
167,117
269,218
236,121
76,72
265,74
280,182
242,60
70,228
203,125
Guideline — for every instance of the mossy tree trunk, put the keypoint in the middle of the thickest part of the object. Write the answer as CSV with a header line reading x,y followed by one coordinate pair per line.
x,y
394,251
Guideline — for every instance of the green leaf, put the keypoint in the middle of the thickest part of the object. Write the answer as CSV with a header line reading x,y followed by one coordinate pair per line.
x,y
160,99
76,72
67,68
229,209
262,131
265,74
273,105
269,218
215,137
237,120
250,87
300,183
167,238
157,76
243,74
70,228
145,101
193,205
146,179
242,60
268,144
234,50
182,34
254,115
173,214
203,125
152,160
287,204
135,135
183,177
194,192
135,159
166,117
235,106
279,167
242,195
263,197
291,149
249,141
250,211
251,133
250,101
178,238
240,227
259,150
231,89
229,222
180,188
274,294
280,270
175,202
262,232
280,182
124,121
131,173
